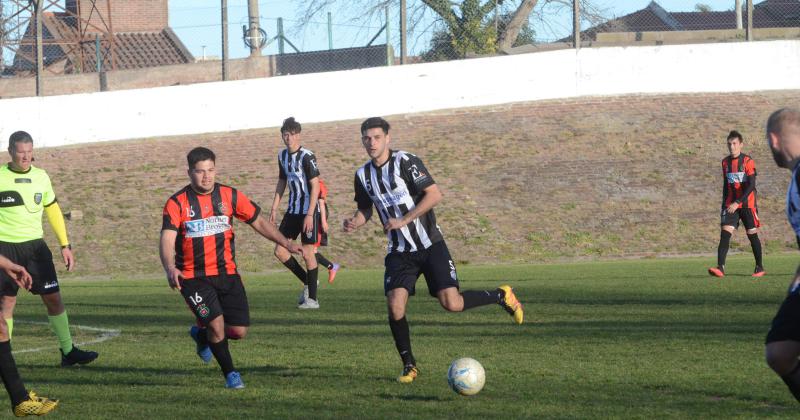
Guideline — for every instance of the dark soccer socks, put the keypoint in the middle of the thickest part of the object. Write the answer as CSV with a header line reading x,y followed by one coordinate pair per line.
x,y
722,250
755,243
311,282
402,340
792,380
295,268
10,375
223,355
474,298
321,260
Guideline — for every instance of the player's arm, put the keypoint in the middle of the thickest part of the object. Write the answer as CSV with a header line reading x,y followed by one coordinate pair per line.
x,y
56,219
323,214
167,253
432,197
313,197
269,231
16,272
724,189
280,188
359,218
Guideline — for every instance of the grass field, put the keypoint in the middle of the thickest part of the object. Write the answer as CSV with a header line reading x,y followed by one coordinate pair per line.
x,y
626,339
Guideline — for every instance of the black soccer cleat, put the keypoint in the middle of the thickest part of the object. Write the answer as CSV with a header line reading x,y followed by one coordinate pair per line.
x,y
77,356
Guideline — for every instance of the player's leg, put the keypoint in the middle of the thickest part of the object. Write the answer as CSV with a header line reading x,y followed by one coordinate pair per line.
x,y
290,229
442,278
7,305
751,225
23,403
235,306
332,267
309,240
782,345
399,282
724,244
45,284
782,357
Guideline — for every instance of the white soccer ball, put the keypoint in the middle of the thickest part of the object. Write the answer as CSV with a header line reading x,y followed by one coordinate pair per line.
x,y
466,376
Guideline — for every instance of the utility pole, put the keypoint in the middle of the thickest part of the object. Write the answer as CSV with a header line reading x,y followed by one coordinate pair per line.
x,y
403,32
749,20
738,9
224,40
576,24
37,10
253,32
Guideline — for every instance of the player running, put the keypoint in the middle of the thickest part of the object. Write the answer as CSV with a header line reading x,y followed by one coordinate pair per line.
x,y
783,339
738,203
197,253
26,193
404,193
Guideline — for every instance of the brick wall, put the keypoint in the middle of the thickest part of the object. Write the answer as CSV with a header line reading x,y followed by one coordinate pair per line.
x,y
600,177
126,16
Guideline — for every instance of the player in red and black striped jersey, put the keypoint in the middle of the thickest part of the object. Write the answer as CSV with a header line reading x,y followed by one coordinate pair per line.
x,y
198,255
322,236
738,203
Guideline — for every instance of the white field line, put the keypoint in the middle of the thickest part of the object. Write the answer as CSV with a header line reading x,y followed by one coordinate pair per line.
x,y
106,334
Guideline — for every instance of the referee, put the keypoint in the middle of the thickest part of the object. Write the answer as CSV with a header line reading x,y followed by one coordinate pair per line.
x,y
26,193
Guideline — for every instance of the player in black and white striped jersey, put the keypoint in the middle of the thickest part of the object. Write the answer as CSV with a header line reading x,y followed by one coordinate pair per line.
x,y
297,169
404,193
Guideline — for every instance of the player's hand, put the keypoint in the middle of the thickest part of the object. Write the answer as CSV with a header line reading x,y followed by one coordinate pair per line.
x,y
325,226
294,248
19,275
308,223
733,207
69,258
272,217
393,223
349,224
174,278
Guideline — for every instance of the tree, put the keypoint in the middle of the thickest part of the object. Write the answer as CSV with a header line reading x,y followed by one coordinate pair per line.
x,y
702,7
472,26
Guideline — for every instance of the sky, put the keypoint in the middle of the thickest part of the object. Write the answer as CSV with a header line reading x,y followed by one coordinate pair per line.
x,y
197,23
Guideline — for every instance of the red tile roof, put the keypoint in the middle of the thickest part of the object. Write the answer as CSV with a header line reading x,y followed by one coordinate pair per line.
x,y
66,51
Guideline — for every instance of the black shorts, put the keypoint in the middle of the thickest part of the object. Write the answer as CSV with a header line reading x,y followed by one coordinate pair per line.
x,y
292,225
748,216
36,257
435,263
786,324
210,297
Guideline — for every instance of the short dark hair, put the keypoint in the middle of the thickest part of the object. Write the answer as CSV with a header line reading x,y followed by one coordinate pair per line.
x,y
290,125
18,137
735,135
779,120
375,122
199,154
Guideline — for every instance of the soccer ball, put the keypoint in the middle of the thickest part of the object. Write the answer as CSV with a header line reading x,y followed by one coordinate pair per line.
x,y
466,376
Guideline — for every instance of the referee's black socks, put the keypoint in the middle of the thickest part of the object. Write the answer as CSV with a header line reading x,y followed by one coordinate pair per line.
x,y
10,375
473,298
295,268
724,244
792,380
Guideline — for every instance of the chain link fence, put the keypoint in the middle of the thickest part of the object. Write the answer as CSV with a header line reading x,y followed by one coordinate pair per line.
x,y
183,41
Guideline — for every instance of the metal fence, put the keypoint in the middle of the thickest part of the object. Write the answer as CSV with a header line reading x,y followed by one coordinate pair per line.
x,y
100,37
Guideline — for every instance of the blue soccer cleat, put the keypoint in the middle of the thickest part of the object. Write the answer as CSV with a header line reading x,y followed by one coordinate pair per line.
x,y
203,351
233,380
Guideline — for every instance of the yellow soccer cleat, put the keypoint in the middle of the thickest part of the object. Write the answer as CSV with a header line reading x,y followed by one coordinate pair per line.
x,y
410,373
511,304
35,406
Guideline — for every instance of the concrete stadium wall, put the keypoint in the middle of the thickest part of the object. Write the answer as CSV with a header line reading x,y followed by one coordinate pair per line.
x,y
355,94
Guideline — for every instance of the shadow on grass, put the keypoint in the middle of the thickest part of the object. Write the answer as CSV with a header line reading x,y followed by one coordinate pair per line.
x,y
386,396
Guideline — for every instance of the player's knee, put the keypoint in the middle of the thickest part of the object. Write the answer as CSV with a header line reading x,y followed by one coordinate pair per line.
x,y
235,333
780,362
450,305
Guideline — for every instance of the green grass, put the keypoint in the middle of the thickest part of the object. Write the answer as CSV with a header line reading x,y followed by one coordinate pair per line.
x,y
627,339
